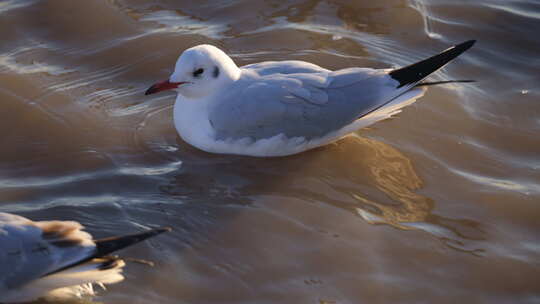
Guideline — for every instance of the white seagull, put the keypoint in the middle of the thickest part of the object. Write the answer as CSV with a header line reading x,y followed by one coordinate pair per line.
x,y
56,259
279,108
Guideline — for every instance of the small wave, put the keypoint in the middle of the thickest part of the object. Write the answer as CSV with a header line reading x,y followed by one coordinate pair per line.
x,y
14,4
173,22
156,170
514,10
499,183
11,62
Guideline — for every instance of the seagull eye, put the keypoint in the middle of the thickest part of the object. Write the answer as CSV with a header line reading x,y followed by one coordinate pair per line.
x,y
198,72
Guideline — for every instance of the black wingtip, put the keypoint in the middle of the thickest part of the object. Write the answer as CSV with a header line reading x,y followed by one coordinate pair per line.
x,y
415,72
109,245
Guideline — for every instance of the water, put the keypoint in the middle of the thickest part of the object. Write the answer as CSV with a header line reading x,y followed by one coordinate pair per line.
x,y
438,205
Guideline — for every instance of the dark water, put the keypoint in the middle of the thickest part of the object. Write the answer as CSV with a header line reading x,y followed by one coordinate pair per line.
x,y
438,205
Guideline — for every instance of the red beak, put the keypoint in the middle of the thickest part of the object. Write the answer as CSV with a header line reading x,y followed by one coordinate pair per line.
x,y
162,86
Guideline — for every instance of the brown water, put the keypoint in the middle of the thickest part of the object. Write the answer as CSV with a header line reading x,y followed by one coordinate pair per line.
x,y
439,205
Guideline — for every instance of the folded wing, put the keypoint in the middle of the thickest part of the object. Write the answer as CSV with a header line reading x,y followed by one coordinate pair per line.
x,y
32,249
300,99
308,105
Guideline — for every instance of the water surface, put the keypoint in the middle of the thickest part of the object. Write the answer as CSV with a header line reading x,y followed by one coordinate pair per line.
x,y
438,205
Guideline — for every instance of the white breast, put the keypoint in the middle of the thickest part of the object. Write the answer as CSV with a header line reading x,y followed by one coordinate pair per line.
x,y
191,122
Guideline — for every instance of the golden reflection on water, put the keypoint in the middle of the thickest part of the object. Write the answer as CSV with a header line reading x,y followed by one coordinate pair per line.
x,y
395,176
364,176
403,208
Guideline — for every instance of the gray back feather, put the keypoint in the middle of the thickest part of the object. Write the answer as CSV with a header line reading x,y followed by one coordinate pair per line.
x,y
298,99
27,253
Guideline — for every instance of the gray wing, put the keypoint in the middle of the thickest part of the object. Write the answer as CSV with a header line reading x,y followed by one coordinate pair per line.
x,y
308,105
284,67
29,250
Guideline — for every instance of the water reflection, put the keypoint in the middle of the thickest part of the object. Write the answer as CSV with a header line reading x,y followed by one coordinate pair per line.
x,y
395,176
366,177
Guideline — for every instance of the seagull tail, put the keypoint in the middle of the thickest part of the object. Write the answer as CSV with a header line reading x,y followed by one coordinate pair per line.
x,y
107,246
416,72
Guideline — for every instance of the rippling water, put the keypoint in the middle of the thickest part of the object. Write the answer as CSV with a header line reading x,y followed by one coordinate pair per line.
x,y
438,205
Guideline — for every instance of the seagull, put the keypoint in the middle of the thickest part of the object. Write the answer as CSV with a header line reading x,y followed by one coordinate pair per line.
x,y
57,259
279,108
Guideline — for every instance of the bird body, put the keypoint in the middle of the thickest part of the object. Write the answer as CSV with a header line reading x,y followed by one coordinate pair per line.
x,y
56,258
286,107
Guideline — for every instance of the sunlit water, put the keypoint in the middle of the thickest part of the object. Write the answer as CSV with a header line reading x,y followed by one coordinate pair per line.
x,y
438,205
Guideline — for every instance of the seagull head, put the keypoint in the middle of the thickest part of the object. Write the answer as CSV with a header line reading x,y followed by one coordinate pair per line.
x,y
200,71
